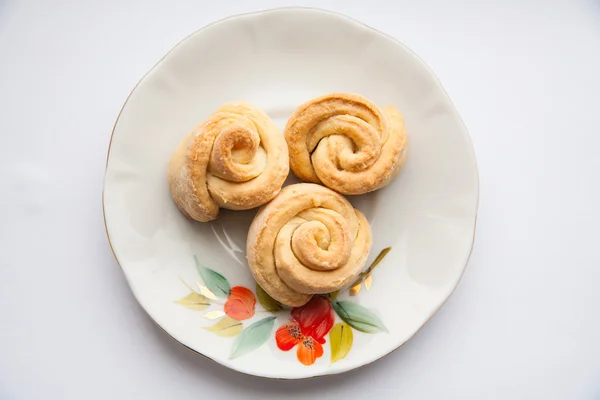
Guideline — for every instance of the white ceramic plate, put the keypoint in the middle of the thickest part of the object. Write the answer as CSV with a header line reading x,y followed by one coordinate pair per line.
x,y
277,60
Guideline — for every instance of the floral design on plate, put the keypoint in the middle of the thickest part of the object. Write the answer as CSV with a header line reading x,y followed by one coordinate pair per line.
x,y
307,327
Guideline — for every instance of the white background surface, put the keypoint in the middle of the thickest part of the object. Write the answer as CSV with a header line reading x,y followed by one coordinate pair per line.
x,y
525,320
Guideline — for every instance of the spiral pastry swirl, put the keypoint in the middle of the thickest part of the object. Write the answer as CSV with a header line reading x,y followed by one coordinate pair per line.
x,y
347,143
237,159
307,240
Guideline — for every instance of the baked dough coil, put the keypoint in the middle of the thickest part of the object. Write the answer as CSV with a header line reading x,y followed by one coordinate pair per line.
x,y
347,143
237,159
308,240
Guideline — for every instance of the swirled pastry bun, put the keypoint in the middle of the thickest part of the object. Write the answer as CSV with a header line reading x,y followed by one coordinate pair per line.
x,y
346,142
237,159
308,240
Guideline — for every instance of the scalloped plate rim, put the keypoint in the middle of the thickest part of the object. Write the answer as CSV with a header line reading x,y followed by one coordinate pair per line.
x,y
359,25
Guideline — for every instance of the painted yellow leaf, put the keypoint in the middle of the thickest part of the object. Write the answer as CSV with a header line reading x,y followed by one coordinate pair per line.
x,y
204,291
355,289
269,303
368,281
214,314
194,301
226,327
334,295
341,338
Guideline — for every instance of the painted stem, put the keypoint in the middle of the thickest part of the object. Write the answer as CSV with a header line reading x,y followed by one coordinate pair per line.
x,y
377,260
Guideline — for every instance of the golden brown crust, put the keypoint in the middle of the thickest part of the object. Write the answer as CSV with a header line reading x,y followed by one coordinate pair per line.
x,y
235,159
307,240
346,142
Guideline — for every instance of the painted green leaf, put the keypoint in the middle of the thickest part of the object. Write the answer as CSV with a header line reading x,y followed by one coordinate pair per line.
x,y
194,301
341,338
252,337
226,327
216,282
360,318
268,303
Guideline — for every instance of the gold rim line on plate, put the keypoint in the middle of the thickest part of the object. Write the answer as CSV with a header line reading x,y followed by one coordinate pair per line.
x,y
363,25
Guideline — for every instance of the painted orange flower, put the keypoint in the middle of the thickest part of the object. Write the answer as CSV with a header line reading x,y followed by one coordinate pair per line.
x,y
240,304
307,329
